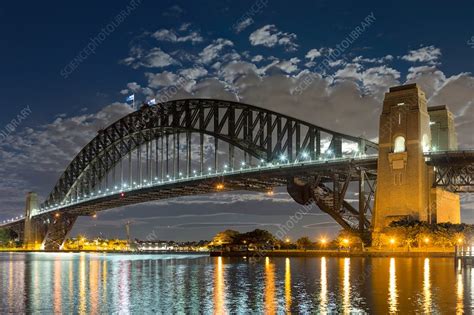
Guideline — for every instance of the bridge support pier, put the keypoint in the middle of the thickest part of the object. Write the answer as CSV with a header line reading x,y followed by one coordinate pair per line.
x,y
33,230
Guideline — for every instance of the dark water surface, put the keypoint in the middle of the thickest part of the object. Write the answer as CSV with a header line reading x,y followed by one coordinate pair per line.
x,y
147,284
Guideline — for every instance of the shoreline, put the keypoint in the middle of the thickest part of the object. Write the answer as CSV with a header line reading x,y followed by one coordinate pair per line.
x,y
334,253
278,253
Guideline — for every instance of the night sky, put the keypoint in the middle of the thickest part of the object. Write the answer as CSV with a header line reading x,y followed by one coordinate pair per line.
x,y
256,52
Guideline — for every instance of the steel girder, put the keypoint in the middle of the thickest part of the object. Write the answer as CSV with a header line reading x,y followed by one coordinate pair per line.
x,y
454,171
329,189
261,133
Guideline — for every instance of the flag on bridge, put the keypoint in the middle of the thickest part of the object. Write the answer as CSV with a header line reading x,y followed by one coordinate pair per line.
x,y
131,98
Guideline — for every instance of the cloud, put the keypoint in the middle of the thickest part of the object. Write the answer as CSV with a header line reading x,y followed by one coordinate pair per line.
x,y
154,58
174,11
429,54
212,51
313,54
239,27
172,36
269,36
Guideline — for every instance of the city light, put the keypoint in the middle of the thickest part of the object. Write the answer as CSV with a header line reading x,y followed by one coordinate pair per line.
x,y
392,241
323,241
287,240
220,186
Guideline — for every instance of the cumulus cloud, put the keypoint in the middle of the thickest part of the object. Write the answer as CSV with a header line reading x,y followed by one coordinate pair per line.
x,y
212,51
239,27
313,54
154,58
172,36
429,54
270,36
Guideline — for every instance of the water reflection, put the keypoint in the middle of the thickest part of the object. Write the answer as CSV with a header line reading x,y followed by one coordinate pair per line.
x,y
98,284
219,288
346,303
269,287
459,291
324,288
392,288
426,286
287,285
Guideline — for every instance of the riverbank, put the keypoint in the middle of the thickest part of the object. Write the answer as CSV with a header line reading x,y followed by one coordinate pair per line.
x,y
106,252
334,253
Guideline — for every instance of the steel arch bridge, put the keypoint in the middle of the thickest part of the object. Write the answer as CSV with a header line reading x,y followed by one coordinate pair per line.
x,y
197,146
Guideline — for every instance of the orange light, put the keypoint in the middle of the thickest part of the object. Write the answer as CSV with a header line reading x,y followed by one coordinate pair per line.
x,y
392,241
220,186
459,240
323,241
56,215
287,240
94,215
345,241
427,240
270,193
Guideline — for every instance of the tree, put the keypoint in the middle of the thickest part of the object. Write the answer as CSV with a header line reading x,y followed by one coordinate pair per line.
x,y
4,236
225,238
257,238
304,243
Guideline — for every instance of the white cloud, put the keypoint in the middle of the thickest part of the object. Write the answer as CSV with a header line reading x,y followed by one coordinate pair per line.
x,y
155,58
257,58
212,51
269,36
429,54
172,36
239,27
313,54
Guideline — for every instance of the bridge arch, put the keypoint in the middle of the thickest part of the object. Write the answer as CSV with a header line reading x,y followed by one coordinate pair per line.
x,y
261,134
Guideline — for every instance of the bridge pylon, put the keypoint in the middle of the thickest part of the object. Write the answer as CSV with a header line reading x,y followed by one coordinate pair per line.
x,y
33,233
404,179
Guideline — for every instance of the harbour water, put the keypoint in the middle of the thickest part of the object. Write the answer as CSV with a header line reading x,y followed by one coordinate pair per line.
x,y
50,283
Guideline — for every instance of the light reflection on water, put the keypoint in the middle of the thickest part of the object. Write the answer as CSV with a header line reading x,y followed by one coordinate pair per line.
x,y
101,283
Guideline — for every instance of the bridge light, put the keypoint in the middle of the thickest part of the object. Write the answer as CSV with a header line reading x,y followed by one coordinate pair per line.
x,y
287,240
329,152
283,158
305,155
323,241
225,166
392,241
243,163
122,194
57,215
434,149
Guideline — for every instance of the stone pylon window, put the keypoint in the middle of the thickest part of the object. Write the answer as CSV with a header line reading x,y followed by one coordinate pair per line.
x,y
399,145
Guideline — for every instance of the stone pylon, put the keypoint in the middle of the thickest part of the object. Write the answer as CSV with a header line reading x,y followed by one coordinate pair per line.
x,y
32,238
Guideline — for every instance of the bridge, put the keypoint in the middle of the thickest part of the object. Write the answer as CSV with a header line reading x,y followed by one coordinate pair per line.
x,y
199,146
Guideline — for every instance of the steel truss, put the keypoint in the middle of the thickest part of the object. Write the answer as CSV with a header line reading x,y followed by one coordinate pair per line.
x,y
147,143
329,189
453,171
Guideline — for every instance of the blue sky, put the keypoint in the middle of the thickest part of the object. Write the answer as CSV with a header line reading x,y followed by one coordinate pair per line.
x,y
254,51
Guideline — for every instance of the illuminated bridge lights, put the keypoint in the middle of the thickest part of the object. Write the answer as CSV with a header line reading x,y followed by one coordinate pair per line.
x,y
156,183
